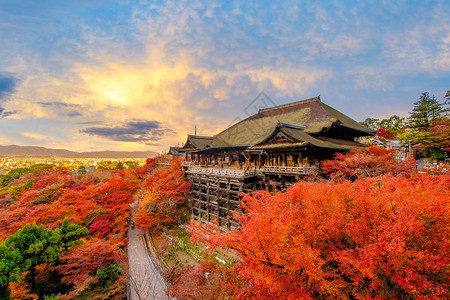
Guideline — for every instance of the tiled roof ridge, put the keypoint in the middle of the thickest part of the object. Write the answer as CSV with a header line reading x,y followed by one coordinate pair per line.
x,y
305,101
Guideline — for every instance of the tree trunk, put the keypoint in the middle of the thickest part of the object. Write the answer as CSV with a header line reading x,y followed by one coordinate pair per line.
x,y
33,276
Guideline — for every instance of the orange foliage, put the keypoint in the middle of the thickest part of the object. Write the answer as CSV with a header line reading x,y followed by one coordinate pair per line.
x,y
98,199
371,162
165,195
384,237
20,291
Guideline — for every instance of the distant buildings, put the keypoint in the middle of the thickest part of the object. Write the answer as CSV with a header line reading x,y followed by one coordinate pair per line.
x,y
71,164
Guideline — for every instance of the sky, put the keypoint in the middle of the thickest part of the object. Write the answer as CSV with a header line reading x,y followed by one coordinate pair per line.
x,y
91,75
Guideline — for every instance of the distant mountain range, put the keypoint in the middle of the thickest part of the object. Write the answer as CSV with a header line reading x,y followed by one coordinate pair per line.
x,y
33,151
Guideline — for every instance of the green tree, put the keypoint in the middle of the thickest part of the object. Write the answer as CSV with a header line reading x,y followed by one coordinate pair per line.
x,y
71,234
108,273
36,245
130,164
427,121
10,267
425,111
393,123
81,170
372,123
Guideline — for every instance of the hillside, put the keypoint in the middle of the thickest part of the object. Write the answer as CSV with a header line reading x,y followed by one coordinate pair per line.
x,y
34,151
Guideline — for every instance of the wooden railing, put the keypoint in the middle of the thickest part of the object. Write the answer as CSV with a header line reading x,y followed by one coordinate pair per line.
x,y
187,163
229,172
291,170
221,172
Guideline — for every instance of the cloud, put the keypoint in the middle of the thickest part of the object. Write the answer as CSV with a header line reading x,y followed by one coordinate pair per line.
x,y
63,108
34,136
140,131
4,114
90,122
187,63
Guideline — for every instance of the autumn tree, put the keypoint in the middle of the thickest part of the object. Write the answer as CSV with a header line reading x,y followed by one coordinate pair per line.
x,y
161,204
80,263
427,115
102,225
370,162
376,238
67,207
420,129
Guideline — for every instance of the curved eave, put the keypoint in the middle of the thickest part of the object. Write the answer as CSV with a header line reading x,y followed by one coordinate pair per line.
x,y
280,146
357,132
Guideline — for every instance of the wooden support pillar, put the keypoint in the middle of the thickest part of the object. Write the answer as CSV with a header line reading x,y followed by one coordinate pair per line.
x,y
283,157
218,200
192,199
228,205
259,160
208,207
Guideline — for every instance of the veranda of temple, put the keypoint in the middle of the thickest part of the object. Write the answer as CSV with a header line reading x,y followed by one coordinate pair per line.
x,y
271,149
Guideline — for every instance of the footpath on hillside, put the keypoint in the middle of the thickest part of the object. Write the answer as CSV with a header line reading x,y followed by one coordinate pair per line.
x,y
144,279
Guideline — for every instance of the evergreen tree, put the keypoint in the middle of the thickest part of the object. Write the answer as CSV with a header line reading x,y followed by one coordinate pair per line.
x,y
36,245
10,267
428,123
425,111
71,234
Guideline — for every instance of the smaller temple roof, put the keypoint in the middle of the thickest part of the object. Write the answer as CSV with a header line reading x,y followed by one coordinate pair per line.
x,y
196,142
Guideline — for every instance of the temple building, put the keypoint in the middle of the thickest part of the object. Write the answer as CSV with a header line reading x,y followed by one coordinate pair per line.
x,y
271,149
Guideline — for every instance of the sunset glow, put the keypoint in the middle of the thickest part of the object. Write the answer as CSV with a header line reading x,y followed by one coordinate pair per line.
x,y
67,70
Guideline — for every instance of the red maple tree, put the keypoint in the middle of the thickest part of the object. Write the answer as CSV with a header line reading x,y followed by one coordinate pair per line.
x,y
383,237
371,162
